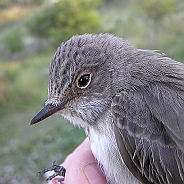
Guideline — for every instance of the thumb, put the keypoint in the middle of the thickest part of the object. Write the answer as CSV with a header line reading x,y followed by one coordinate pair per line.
x,y
81,167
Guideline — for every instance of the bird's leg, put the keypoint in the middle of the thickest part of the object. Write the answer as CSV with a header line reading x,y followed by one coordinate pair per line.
x,y
59,171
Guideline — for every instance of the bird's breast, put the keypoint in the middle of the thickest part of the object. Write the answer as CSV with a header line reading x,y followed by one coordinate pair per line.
x,y
105,150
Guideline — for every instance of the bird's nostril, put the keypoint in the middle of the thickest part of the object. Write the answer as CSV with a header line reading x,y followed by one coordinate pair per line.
x,y
51,106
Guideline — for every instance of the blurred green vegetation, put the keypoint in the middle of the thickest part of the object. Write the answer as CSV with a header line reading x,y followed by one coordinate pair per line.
x,y
23,149
27,34
14,41
10,3
65,18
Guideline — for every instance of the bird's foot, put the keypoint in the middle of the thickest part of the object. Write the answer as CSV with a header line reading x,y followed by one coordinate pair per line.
x,y
59,171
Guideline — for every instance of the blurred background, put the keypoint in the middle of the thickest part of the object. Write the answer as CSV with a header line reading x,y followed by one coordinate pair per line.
x,y
30,32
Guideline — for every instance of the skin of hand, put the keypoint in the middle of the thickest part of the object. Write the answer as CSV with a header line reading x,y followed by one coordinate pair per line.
x,y
81,167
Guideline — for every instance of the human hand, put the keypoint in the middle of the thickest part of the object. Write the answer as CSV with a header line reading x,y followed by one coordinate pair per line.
x,y
81,167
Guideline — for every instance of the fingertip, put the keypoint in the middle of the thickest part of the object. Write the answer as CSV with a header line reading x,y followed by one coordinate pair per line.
x,y
94,174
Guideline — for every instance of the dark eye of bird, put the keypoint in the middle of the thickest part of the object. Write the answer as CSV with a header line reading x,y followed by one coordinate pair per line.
x,y
84,80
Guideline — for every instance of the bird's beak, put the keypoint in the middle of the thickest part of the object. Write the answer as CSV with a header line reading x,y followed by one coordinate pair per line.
x,y
47,111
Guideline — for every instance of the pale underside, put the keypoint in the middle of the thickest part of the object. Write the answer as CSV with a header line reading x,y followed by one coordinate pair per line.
x,y
104,148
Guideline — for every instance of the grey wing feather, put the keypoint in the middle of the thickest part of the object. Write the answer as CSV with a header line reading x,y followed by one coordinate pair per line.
x,y
145,144
167,105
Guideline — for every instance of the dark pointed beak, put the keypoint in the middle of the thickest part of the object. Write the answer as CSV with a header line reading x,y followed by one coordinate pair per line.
x,y
47,111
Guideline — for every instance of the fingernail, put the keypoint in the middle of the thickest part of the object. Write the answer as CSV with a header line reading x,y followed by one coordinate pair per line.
x,y
94,174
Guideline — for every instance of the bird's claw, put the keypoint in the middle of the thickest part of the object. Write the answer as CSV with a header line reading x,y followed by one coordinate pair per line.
x,y
59,171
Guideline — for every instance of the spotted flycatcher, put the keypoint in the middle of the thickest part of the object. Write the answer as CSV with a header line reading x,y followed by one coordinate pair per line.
x,y
130,103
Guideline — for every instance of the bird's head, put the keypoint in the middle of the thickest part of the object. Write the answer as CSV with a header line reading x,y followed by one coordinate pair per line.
x,y
83,78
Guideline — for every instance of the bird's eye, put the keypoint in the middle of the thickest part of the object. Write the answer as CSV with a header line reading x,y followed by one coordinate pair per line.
x,y
84,80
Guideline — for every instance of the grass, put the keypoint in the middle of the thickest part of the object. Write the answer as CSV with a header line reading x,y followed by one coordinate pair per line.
x,y
13,16
14,13
23,82
26,149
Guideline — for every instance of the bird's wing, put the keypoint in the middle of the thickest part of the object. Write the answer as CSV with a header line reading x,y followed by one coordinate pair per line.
x,y
167,105
148,133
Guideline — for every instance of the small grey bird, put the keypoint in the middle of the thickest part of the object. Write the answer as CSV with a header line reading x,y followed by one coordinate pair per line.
x,y
130,103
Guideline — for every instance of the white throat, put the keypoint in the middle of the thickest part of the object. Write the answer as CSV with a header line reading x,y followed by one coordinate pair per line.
x,y
104,148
